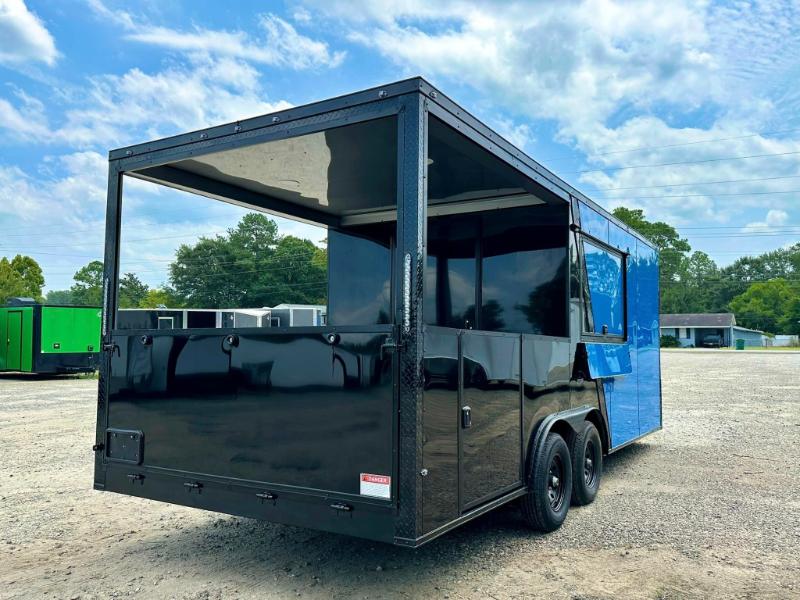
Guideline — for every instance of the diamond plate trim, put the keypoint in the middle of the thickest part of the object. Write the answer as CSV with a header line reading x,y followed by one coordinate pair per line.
x,y
413,211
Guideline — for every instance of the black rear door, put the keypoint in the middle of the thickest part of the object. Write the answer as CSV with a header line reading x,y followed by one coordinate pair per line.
x,y
287,408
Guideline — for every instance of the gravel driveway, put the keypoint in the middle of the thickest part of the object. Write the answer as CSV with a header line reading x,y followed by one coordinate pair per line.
x,y
707,508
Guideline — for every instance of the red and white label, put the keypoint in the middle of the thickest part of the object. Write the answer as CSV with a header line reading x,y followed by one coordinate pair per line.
x,y
377,486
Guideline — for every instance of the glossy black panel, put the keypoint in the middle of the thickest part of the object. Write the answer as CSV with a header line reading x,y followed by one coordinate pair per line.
x,y
83,362
195,319
440,429
524,271
459,168
546,373
511,262
147,318
451,272
278,408
491,446
359,276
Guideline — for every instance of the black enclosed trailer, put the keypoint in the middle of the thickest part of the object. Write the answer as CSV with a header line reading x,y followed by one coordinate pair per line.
x,y
490,331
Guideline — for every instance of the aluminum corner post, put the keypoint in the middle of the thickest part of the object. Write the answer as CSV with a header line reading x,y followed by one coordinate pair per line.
x,y
412,214
110,260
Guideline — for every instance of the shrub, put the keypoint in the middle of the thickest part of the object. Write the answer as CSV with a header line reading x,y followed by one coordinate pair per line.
x,y
669,341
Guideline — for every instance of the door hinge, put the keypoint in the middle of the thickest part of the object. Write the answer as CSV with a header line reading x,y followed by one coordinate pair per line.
x,y
111,347
193,485
98,447
341,506
266,496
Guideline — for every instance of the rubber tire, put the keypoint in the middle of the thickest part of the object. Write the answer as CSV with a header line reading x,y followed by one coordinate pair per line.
x,y
582,493
536,508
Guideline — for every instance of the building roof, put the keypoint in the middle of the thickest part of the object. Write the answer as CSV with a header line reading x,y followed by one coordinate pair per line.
x,y
740,328
698,320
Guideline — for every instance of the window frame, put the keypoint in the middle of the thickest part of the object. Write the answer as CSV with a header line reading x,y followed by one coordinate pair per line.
x,y
589,334
479,243
121,174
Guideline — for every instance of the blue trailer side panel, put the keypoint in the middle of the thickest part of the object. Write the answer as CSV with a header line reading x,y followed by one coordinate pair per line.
x,y
649,360
629,372
622,398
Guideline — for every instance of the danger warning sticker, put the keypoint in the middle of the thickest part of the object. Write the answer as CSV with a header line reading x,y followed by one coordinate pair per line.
x,y
377,486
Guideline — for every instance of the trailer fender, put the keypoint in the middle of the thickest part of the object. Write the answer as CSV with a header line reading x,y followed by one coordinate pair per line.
x,y
566,423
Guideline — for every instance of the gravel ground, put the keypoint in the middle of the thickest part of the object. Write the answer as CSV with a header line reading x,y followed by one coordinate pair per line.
x,y
706,508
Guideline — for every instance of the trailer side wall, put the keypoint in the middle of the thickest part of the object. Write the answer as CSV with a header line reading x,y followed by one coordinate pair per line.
x,y
68,330
628,367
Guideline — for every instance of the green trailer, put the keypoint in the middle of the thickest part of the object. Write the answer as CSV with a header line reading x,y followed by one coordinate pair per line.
x,y
49,339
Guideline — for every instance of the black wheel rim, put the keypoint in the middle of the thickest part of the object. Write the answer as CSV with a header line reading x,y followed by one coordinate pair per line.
x,y
555,483
589,464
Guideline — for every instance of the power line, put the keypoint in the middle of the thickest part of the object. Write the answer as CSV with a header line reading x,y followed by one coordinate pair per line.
x,y
666,185
736,226
676,145
714,194
685,162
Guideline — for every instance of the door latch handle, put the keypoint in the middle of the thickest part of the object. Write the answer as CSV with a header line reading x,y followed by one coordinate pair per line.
x,y
466,417
111,347
389,346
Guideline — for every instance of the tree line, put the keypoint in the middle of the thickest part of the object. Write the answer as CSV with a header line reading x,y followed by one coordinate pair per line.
x,y
762,291
252,265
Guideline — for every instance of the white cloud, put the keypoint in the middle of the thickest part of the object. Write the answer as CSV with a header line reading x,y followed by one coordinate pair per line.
x,y
135,106
573,62
774,218
26,121
518,134
777,217
23,36
177,99
281,46
78,191
214,80
614,75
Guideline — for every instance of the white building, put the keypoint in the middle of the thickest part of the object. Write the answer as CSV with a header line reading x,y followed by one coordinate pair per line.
x,y
695,330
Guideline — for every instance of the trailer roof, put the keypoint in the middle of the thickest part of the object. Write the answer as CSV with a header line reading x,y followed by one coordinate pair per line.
x,y
152,161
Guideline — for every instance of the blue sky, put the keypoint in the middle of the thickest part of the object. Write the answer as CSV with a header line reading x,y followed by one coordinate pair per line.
x,y
609,95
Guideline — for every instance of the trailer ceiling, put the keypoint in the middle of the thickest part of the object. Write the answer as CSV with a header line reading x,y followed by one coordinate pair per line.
x,y
348,174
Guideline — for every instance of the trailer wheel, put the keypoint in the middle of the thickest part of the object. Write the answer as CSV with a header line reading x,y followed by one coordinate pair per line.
x,y
545,505
587,464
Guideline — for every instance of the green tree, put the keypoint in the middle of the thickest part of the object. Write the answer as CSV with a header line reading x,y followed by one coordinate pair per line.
x,y
131,291
765,305
59,297
213,273
250,266
698,274
255,233
673,250
88,287
791,320
737,277
156,297
296,275
20,277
